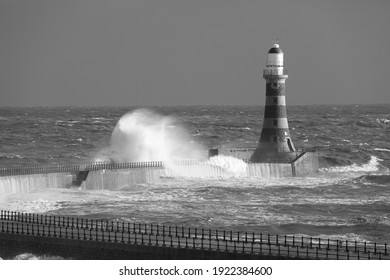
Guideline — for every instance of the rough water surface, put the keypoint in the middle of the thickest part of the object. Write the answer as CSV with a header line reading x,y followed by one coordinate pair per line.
x,y
349,198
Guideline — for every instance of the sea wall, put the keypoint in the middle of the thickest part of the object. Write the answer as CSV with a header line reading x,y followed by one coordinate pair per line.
x,y
117,179
269,170
244,154
31,182
306,164
114,177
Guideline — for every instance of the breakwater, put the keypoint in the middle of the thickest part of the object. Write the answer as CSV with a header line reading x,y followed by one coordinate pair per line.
x,y
77,238
118,175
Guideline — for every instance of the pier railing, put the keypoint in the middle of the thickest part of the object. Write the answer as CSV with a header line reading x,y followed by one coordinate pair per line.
x,y
259,244
91,166
95,166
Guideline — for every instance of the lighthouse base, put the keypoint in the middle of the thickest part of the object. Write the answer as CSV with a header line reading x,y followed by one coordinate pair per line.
x,y
276,165
266,156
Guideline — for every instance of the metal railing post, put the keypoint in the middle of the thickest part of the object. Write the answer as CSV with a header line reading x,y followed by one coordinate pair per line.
x,y
307,252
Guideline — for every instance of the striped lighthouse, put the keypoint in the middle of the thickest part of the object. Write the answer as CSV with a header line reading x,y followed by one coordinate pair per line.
x,y
275,143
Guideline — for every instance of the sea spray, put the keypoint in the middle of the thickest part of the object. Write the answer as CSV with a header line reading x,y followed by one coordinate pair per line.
x,y
142,136
234,166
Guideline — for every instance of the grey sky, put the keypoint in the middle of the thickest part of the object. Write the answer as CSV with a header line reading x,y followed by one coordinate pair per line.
x,y
185,52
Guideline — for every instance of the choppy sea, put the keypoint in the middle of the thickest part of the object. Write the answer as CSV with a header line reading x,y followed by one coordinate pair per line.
x,y
349,198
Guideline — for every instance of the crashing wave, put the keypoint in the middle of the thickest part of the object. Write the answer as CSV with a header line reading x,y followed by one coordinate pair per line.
x,y
372,165
229,164
143,135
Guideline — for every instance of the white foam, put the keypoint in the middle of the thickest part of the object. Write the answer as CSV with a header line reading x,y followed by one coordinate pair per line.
x,y
216,167
372,165
35,206
229,164
347,236
30,256
381,150
383,120
142,136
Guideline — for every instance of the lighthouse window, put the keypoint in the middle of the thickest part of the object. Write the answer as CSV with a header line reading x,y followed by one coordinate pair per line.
x,y
275,122
275,100
275,85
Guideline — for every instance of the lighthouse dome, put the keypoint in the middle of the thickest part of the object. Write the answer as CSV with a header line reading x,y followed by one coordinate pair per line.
x,y
275,49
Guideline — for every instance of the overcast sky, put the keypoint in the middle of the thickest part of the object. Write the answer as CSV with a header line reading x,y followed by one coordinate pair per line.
x,y
188,52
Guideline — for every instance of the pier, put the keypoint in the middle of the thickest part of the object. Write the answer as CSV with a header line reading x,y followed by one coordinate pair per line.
x,y
79,238
106,175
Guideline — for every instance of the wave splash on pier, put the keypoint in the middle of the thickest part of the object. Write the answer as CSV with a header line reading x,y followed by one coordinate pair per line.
x,y
230,164
374,164
216,167
142,136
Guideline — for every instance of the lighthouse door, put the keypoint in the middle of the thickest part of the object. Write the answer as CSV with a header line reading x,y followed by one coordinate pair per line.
x,y
289,145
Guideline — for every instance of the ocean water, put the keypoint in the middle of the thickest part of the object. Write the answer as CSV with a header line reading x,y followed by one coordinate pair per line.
x,y
349,198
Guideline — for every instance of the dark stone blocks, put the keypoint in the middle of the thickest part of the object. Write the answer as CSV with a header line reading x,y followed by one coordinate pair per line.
x,y
267,134
275,89
275,111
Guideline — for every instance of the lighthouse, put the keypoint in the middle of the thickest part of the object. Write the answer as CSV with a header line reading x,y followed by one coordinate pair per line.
x,y
275,144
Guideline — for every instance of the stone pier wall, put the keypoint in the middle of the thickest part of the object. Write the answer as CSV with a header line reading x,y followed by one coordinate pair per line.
x,y
108,177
